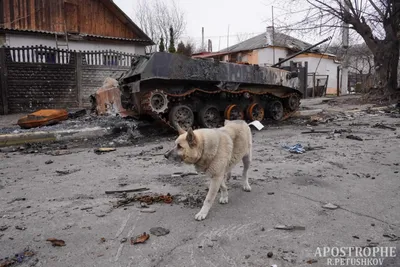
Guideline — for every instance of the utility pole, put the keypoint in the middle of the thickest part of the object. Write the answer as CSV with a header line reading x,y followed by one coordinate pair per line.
x,y
273,37
227,39
345,60
202,38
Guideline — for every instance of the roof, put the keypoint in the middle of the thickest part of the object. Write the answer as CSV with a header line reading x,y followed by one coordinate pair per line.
x,y
75,36
260,41
108,4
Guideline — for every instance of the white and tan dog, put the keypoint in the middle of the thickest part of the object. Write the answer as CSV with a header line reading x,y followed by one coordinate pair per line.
x,y
215,151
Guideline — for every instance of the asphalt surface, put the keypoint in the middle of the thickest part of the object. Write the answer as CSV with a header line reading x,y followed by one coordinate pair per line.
x,y
66,200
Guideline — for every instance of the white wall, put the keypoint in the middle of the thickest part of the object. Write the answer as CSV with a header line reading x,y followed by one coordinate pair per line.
x,y
266,56
18,40
321,66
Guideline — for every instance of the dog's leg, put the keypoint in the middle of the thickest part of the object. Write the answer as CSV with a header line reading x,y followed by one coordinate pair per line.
x,y
212,193
224,191
246,164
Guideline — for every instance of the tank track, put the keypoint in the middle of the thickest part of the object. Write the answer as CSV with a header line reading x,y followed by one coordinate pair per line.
x,y
145,103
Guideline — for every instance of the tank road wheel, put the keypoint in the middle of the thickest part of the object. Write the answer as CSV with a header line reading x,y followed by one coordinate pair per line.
x,y
276,110
209,116
158,101
233,112
181,115
293,102
255,112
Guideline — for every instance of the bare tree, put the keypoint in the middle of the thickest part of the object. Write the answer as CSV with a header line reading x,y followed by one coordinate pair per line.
x,y
155,18
377,22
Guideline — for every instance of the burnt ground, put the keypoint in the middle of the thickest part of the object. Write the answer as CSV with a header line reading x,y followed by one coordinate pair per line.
x,y
44,195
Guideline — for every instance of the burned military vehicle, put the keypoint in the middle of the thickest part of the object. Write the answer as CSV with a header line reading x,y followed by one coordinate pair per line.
x,y
201,93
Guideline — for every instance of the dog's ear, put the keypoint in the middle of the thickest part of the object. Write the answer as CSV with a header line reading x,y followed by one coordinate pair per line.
x,y
178,127
191,137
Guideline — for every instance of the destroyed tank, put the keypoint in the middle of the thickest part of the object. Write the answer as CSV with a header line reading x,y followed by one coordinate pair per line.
x,y
201,93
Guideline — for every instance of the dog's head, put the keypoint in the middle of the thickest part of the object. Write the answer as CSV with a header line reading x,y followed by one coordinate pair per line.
x,y
187,148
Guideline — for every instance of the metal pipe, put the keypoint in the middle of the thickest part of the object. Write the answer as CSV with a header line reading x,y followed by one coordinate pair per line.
x,y
301,52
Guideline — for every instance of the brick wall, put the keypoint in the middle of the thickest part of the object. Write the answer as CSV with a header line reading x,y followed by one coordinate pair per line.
x,y
93,77
32,86
39,77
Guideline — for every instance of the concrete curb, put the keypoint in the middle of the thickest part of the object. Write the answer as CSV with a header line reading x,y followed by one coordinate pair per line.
x,y
40,136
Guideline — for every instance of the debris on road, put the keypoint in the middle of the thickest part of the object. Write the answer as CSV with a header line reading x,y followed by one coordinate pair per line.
x,y
159,231
354,137
102,150
19,227
330,206
312,261
56,242
148,199
17,199
392,237
59,152
3,228
66,172
49,162
316,131
43,117
73,114
383,126
298,149
140,238
289,227
270,254
17,258
140,189
147,210
310,148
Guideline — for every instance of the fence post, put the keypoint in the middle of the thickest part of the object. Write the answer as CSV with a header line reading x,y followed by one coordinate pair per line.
x,y
3,81
78,69
313,85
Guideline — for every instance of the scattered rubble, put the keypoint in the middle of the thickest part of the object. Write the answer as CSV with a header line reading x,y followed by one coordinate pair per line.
x,y
383,126
148,199
20,257
43,117
56,242
102,150
140,189
66,172
49,162
298,149
159,231
289,227
354,137
330,206
140,239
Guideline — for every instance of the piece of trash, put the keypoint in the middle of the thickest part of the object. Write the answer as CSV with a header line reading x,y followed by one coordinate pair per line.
x,y
140,238
392,237
3,228
271,193
123,240
312,261
383,126
289,227
102,150
66,172
59,152
102,240
73,114
270,254
43,117
310,148
146,199
140,189
56,242
330,206
354,137
159,231
49,162
257,124
148,210
316,131
17,258
22,228
298,149
356,237
274,265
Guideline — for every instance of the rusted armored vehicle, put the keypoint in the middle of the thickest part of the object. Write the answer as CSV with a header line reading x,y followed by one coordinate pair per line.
x,y
201,93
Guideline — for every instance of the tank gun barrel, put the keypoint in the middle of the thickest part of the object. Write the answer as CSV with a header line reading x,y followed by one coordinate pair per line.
x,y
300,52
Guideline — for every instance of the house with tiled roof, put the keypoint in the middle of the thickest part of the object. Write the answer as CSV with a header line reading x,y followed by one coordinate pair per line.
x,y
70,24
271,47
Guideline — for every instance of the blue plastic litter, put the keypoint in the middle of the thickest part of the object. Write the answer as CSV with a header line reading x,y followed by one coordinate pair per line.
x,y
298,149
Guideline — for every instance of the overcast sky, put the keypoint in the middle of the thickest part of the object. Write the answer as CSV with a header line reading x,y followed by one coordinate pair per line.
x,y
245,18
